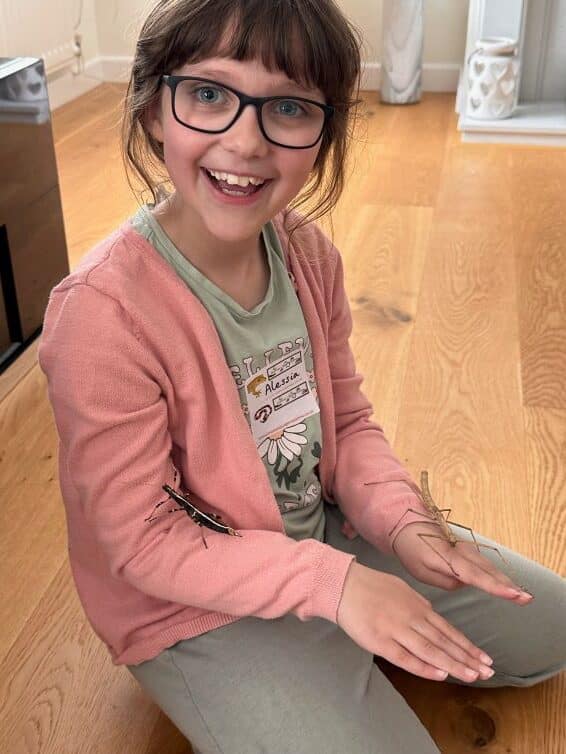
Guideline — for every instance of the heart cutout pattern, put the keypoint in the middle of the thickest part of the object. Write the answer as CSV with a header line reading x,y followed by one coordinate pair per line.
x,y
499,69
498,108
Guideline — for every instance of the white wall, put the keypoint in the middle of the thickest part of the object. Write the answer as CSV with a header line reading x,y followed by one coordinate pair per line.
x,y
119,22
445,26
446,22
31,27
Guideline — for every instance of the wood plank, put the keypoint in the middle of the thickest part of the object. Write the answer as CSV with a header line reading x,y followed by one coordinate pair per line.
x,y
408,170
15,373
539,230
384,259
64,692
91,170
82,113
462,411
33,529
546,485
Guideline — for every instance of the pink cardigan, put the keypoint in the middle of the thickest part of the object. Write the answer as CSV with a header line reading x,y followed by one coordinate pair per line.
x,y
139,387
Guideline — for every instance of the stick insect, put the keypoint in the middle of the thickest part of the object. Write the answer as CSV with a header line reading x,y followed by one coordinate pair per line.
x,y
435,516
210,520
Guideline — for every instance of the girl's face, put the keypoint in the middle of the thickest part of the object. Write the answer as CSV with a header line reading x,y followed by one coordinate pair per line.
x,y
242,150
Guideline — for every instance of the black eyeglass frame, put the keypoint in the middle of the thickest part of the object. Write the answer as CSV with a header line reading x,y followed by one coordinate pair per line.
x,y
172,82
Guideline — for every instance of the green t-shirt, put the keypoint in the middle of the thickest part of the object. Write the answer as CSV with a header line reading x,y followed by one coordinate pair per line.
x,y
251,341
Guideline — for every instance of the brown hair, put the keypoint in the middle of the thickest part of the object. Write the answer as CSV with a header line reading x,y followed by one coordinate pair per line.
x,y
310,40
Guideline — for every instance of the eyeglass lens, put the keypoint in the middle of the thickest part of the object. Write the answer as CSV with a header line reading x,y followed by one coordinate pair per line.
x,y
289,121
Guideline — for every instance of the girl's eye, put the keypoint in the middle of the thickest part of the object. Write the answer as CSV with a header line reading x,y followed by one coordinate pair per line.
x,y
289,108
206,94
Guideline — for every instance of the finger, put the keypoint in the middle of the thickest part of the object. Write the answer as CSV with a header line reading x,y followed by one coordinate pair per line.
x,y
512,587
441,579
474,569
495,574
472,554
460,655
398,655
499,573
457,637
476,576
440,656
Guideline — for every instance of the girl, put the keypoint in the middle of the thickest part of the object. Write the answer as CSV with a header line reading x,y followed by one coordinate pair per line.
x,y
217,461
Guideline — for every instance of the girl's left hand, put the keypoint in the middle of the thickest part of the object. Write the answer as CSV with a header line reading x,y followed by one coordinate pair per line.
x,y
472,568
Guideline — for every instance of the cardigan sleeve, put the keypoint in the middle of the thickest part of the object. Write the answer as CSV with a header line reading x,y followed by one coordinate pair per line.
x,y
115,449
371,486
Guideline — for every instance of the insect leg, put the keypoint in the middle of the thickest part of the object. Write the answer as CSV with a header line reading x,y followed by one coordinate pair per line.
x,y
489,547
507,563
435,536
202,535
412,510
176,477
172,510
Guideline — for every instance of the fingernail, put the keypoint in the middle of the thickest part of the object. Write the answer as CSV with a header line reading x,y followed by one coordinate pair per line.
x,y
523,594
486,658
487,672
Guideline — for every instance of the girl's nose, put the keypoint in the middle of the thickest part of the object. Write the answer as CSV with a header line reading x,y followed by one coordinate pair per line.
x,y
245,136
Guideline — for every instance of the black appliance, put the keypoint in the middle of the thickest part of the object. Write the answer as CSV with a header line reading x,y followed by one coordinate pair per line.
x,y
33,249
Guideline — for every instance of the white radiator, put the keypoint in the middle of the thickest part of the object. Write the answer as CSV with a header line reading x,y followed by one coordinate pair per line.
x,y
39,28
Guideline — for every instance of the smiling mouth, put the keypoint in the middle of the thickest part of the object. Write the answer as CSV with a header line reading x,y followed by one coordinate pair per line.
x,y
234,189
255,180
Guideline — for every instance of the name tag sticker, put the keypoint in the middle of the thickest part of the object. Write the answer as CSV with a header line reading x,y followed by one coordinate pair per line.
x,y
280,395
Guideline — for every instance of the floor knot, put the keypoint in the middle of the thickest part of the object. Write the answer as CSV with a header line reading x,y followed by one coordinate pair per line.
x,y
476,726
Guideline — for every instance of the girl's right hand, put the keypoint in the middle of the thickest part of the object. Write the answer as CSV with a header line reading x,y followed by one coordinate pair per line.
x,y
385,616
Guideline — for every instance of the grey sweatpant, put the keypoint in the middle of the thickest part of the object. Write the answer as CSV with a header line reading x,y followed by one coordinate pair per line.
x,y
285,686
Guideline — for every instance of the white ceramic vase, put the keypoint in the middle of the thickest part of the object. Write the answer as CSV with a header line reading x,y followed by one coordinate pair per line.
x,y
493,79
402,44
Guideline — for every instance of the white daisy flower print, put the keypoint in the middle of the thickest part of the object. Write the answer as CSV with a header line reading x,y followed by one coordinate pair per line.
x,y
287,441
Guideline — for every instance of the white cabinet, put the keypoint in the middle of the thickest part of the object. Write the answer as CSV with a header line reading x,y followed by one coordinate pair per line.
x,y
540,27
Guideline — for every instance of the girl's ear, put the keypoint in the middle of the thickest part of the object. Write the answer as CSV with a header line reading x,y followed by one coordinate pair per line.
x,y
153,119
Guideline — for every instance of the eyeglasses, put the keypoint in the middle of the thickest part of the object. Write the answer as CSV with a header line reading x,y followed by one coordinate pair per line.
x,y
208,106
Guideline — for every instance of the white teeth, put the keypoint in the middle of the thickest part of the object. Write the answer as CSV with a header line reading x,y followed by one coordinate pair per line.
x,y
232,179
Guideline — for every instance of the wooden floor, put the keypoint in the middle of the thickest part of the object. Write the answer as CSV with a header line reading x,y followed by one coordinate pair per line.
x,y
455,260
